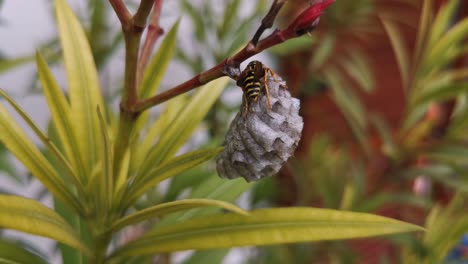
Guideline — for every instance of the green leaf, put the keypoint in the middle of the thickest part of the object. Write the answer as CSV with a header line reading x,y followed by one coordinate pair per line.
x,y
172,207
9,64
264,227
60,114
106,180
324,50
401,51
230,14
11,253
358,68
179,131
212,188
16,141
158,65
442,21
169,169
350,106
452,38
197,19
83,82
32,217
173,107
63,162
7,166
424,24
445,226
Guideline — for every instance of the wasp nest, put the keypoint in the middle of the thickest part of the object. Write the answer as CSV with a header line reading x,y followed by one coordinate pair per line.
x,y
260,142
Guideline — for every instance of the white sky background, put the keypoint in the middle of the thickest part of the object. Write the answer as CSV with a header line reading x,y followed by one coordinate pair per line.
x,y
25,25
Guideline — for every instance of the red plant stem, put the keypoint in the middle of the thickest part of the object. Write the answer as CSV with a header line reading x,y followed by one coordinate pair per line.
x,y
121,10
217,71
154,32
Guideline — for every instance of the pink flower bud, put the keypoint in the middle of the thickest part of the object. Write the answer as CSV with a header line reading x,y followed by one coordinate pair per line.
x,y
309,18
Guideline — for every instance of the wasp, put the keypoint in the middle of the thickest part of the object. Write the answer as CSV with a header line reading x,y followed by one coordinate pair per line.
x,y
250,80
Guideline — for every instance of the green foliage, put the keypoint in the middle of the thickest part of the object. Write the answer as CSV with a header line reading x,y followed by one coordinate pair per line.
x,y
263,227
15,254
105,177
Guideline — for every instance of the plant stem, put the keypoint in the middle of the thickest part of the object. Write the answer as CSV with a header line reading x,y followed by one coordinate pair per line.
x,y
121,11
216,72
152,35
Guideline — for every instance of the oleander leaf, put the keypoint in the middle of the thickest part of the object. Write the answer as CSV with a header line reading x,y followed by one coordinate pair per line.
x,y
172,207
83,84
169,169
264,227
32,217
11,253
18,143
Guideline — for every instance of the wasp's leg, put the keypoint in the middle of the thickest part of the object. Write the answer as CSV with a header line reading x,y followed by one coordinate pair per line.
x,y
267,90
246,106
273,74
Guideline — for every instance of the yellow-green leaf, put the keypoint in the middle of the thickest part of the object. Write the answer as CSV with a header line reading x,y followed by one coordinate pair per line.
x,y
264,227
85,94
442,21
172,207
157,128
32,217
159,63
156,70
169,169
106,180
60,114
43,137
14,254
16,141
179,131
451,39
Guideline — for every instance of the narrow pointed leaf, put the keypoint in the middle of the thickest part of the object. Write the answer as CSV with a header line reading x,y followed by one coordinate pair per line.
x,y
156,70
172,207
85,94
70,172
159,62
106,180
401,51
264,227
60,113
32,217
173,107
11,253
182,127
424,24
16,141
452,38
358,68
169,169
211,188
442,21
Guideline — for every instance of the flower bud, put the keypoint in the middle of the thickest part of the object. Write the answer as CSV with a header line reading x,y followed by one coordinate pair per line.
x,y
259,144
309,18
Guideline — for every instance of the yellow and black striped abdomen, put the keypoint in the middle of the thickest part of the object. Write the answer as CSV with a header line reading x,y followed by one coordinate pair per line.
x,y
252,86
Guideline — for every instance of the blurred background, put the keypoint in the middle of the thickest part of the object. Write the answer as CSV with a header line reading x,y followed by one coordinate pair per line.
x,y
383,101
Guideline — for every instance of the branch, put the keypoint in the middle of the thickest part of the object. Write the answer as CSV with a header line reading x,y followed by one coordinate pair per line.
x,y
303,24
154,32
140,17
267,21
121,10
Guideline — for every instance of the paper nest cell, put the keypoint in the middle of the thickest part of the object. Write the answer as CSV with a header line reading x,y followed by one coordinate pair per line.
x,y
259,144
